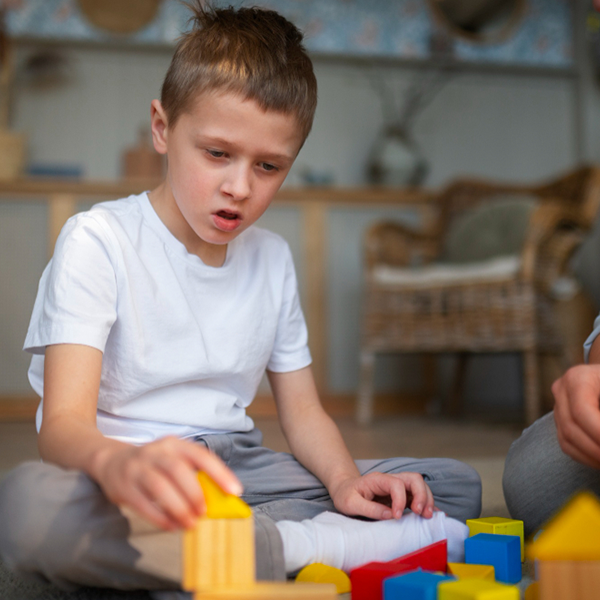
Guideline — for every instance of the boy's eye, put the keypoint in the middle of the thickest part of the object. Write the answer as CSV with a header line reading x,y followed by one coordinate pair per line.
x,y
268,167
216,153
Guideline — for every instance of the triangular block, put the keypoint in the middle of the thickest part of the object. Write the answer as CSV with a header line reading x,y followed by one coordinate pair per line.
x,y
430,558
573,534
220,504
464,571
367,581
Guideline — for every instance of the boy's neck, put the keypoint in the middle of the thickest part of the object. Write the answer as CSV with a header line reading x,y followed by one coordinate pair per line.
x,y
211,255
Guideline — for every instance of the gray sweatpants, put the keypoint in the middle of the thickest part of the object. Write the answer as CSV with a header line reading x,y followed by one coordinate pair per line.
x,y
58,525
539,477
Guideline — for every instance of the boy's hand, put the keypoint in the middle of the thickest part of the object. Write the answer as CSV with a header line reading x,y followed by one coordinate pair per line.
x,y
158,480
577,413
384,496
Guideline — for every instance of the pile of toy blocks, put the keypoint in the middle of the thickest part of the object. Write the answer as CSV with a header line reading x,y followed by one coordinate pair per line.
x,y
566,556
219,561
493,555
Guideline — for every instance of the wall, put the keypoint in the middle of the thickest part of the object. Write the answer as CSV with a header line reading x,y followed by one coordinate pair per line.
x,y
499,125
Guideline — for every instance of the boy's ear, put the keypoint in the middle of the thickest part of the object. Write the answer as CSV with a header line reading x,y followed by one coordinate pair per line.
x,y
158,122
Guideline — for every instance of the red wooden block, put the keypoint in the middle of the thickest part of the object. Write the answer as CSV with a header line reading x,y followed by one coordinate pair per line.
x,y
431,558
367,581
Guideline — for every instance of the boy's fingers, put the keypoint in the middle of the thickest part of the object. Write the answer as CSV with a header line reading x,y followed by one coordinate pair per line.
x,y
418,488
149,511
430,502
429,507
399,497
160,491
184,478
370,509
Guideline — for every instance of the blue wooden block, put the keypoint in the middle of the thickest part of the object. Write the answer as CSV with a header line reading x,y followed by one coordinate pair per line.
x,y
501,551
416,585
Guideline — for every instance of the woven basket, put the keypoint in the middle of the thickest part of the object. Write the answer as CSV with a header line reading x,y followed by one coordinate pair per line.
x,y
118,16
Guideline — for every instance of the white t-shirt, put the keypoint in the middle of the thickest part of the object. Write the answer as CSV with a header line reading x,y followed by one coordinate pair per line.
x,y
185,344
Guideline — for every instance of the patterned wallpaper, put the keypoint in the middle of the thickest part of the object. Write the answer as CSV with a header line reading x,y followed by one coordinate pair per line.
x,y
368,28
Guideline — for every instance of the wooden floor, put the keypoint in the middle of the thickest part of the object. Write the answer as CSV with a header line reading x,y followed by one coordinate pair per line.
x,y
480,444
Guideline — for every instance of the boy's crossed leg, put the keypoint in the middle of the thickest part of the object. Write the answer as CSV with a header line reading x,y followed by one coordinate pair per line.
x,y
282,488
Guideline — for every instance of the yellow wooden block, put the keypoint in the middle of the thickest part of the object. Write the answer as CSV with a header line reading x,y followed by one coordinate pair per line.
x,y
498,525
320,573
477,589
219,504
533,591
218,552
463,571
272,591
573,534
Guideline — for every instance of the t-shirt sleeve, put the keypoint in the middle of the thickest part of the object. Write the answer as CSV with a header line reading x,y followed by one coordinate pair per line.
x,y
77,294
290,350
587,346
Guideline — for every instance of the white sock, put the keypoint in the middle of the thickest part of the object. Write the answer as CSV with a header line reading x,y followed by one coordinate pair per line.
x,y
346,543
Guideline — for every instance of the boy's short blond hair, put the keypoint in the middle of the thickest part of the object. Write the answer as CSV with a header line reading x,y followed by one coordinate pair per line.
x,y
254,52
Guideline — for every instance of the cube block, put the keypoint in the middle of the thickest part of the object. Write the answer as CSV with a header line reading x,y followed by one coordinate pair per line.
x,y
417,585
500,526
503,552
477,589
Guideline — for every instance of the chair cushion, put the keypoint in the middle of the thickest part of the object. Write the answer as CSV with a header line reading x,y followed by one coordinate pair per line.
x,y
494,228
493,270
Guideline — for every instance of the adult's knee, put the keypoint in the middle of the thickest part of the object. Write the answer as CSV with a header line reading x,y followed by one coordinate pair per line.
x,y
522,461
539,477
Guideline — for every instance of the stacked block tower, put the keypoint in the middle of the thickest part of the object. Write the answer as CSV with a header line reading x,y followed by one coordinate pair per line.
x,y
219,558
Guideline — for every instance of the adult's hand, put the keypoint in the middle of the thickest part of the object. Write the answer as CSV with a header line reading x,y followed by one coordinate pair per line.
x,y
577,413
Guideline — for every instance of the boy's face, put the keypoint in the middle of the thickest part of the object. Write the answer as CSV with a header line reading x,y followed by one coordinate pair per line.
x,y
226,160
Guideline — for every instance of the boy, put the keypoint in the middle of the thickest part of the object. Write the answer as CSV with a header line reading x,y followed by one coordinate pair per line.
x,y
153,325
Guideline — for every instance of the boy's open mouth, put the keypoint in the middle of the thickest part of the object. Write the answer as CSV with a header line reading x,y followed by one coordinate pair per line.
x,y
225,214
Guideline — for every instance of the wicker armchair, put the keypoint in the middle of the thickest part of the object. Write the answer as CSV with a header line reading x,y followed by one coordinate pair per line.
x,y
483,308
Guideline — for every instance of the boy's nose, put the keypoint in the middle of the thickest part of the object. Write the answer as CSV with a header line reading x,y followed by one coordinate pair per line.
x,y
237,184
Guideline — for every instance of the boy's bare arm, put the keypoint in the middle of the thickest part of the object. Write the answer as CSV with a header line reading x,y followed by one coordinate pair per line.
x,y
157,480
68,436
316,442
577,410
